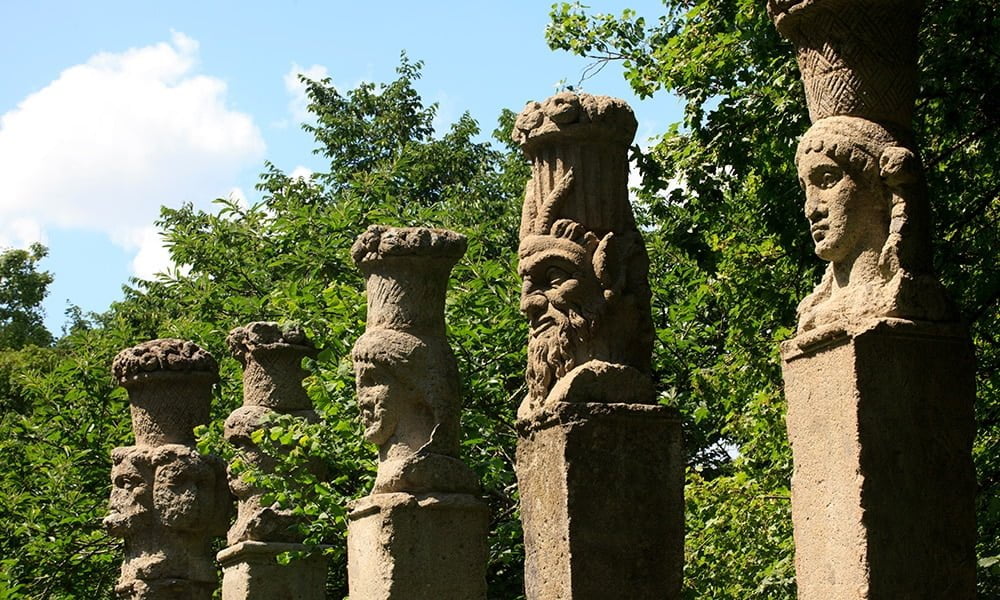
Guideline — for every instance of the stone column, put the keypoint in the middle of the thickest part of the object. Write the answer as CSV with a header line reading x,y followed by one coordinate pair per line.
x,y
880,376
271,356
167,501
421,533
600,465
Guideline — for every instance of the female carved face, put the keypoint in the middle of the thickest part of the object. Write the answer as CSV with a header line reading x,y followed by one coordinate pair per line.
x,y
843,212
379,413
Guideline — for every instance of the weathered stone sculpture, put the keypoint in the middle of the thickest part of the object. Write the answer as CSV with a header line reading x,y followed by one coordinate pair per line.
x,y
167,500
879,378
597,522
583,262
271,356
421,534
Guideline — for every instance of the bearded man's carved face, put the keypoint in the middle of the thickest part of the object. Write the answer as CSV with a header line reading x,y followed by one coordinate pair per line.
x,y
131,492
563,300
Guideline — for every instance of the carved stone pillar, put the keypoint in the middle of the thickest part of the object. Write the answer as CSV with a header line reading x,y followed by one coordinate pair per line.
x,y
167,500
599,464
272,384
421,533
880,376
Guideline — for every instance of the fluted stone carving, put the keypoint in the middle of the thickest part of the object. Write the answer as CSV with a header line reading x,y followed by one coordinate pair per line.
x,y
421,533
407,377
584,265
597,522
271,355
167,501
880,376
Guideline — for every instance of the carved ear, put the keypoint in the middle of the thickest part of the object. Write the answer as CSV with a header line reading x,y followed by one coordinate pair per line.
x,y
609,263
898,167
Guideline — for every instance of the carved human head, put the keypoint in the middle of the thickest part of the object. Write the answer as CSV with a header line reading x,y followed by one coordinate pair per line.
x,y
131,503
168,486
851,170
575,284
559,279
405,380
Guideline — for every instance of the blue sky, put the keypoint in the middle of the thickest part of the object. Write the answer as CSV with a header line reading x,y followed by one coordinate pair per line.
x,y
109,110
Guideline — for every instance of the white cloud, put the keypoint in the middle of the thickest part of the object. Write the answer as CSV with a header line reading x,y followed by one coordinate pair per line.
x,y
21,233
297,90
236,194
152,257
301,172
108,142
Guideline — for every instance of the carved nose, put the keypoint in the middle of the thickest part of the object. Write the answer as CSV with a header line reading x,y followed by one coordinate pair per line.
x,y
533,303
814,209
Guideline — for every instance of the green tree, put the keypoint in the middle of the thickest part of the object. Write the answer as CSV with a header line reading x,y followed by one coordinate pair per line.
x,y
285,258
22,289
733,256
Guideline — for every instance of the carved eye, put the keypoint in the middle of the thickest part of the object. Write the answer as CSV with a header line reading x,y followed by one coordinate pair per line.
x,y
127,482
827,178
557,276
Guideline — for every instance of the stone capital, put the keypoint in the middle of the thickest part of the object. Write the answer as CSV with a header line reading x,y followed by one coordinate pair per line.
x,y
857,57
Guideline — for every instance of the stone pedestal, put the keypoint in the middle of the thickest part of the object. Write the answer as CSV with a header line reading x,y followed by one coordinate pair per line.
x,y
403,546
881,427
271,355
602,496
168,502
250,571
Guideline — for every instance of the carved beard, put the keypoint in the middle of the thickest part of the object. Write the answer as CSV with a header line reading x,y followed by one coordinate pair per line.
x,y
556,350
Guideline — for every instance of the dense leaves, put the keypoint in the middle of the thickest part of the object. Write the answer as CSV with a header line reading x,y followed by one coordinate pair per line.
x,y
285,258
22,289
720,210
733,256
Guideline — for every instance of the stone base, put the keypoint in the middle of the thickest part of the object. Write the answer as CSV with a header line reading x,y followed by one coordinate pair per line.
x,y
881,428
417,547
250,571
164,589
602,502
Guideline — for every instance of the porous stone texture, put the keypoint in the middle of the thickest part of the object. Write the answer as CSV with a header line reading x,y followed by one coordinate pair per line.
x,y
857,57
866,204
417,547
167,501
582,259
422,531
169,383
880,378
251,571
271,355
599,465
407,377
602,502
866,196
881,427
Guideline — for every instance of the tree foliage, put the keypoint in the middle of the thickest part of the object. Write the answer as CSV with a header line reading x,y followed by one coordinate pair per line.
x,y
285,258
22,289
720,210
733,254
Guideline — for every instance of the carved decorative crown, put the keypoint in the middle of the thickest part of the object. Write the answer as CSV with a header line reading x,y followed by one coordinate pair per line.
x,y
264,336
572,115
407,270
857,57
163,356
